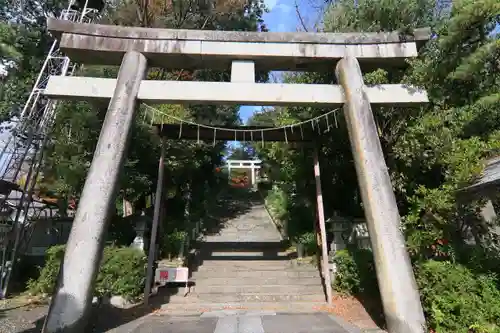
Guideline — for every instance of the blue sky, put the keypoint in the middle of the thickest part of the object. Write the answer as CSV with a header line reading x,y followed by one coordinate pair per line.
x,y
282,17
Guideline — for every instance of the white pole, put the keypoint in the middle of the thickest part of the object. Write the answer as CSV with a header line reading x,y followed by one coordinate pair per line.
x,y
156,222
253,176
321,217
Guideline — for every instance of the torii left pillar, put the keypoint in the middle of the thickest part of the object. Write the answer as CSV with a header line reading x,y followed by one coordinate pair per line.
x,y
70,305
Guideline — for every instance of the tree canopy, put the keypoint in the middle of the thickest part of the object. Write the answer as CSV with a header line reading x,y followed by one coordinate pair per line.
x,y
24,44
431,151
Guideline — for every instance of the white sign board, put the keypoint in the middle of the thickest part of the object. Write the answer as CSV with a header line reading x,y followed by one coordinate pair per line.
x,y
164,275
172,274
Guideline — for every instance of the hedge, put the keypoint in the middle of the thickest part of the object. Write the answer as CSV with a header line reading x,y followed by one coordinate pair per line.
x,y
455,298
122,272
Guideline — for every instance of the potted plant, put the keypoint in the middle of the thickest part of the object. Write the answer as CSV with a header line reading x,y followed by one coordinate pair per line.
x,y
306,244
300,250
174,244
181,241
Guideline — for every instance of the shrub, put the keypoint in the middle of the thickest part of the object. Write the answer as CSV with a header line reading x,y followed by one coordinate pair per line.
x,y
277,203
355,272
456,300
122,272
47,279
301,219
347,279
308,239
172,243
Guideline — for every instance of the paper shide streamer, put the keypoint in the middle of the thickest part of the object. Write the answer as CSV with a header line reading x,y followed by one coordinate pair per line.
x,y
314,122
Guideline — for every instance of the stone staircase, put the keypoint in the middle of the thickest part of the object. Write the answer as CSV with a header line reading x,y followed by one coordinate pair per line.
x,y
246,265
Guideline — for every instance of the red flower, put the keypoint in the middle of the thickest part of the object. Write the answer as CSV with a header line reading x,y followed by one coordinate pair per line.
x,y
442,241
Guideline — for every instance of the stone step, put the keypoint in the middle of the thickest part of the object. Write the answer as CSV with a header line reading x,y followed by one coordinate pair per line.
x,y
204,273
210,309
195,297
253,258
269,270
235,234
251,267
270,280
265,255
218,242
260,289
253,264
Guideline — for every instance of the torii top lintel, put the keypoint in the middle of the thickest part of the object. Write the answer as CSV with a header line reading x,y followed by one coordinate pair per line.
x,y
197,49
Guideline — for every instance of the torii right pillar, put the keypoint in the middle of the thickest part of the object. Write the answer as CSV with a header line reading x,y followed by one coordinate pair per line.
x,y
398,288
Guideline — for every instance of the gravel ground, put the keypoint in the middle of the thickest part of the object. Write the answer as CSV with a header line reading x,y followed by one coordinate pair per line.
x,y
25,319
368,316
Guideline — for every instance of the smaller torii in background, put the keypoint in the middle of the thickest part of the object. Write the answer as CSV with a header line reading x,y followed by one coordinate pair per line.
x,y
253,165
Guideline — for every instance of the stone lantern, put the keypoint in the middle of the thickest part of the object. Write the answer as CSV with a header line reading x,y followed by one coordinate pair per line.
x,y
141,227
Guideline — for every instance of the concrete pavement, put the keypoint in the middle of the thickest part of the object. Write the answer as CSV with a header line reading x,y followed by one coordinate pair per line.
x,y
240,322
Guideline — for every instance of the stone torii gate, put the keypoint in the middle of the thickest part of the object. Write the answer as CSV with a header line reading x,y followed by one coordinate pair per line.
x,y
254,165
134,49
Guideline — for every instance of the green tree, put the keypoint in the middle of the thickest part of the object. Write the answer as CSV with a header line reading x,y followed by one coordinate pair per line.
x,y
241,152
24,44
431,151
188,163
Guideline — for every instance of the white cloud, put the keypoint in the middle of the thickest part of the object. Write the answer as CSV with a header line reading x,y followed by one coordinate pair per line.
x,y
281,28
285,9
270,3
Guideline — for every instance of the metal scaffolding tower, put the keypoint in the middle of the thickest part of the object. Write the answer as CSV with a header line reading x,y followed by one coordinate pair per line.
x,y
21,156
